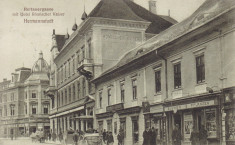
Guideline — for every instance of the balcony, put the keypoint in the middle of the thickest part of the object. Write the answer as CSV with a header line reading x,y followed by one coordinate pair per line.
x,y
85,68
85,62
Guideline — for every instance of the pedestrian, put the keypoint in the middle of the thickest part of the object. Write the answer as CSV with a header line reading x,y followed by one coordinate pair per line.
x,y
49,135
146,136
60,136
203,135
176,135
75,137
194,138
120,137
54,136
12,134
153,136
104,134
110,139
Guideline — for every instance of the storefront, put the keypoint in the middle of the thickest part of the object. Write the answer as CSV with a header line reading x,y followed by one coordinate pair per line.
x,y
229,110
195,114
156,118
128,120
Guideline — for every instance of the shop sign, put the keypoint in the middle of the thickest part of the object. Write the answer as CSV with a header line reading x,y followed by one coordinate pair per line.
x,y
115,107
146,107
191,105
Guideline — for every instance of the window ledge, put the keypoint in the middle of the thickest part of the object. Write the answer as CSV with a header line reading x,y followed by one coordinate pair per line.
x,y
201,83
134,100
177,89
158,93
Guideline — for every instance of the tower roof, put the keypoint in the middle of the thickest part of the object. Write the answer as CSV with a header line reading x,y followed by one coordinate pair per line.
x,y
40,65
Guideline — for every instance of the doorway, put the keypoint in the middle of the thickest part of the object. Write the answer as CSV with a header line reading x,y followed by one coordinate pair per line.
x,y
177,120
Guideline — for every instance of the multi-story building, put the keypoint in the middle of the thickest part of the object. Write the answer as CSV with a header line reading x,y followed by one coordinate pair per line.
x,y
111,29
23,105
184,76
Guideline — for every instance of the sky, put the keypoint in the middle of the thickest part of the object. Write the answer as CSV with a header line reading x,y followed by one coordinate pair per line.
x,y
21,42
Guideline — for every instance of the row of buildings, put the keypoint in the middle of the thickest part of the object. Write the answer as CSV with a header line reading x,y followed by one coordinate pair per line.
x,y
24,107
125,67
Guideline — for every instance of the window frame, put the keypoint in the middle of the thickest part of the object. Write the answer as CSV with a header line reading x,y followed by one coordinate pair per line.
x,y
134,88
200,68
158,82
177,75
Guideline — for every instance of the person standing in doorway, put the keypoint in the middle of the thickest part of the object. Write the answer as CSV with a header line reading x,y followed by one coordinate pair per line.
x,y
153,136
194,136
104,134
75,137
120,137
203,135
146,136
176,135
110,139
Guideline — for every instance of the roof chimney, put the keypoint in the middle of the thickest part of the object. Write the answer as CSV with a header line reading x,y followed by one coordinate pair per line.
x,y
169,12
152,6
4,79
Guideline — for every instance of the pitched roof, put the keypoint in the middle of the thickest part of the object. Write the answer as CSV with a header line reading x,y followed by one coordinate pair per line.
x,y
114,9
128,10
158,23
208,11
60,40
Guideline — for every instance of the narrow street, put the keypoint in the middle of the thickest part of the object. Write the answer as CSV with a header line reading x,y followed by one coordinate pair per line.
x,y
27,141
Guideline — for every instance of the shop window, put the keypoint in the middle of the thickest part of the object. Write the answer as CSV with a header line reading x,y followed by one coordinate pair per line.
x,y
122,92
109,96
158,81
109,125
123,125
134,89
230,125
34,109
200,69
100,99
177,75
188,125
211,123
135,129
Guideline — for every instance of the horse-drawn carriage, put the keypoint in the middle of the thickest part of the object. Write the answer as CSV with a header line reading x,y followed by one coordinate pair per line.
x,y
38,136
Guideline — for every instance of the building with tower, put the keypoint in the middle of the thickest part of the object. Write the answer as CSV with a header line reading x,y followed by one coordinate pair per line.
x,y
23,106
113,28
